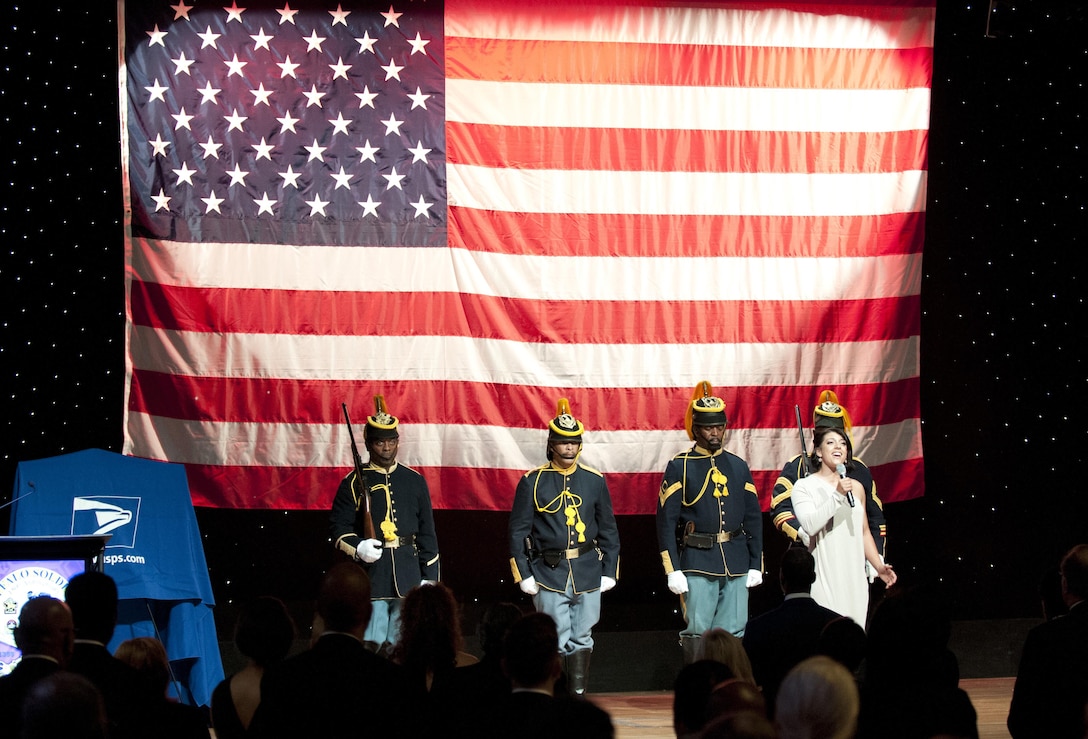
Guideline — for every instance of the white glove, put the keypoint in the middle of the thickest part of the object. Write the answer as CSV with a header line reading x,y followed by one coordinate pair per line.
x,y
607,583
369,551
755,578
804,537
678,582
529,586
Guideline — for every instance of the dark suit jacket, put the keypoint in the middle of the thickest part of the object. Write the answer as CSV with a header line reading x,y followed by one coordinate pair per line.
x,y
529,715
336,688
14,687
780,638
124,692
1052,682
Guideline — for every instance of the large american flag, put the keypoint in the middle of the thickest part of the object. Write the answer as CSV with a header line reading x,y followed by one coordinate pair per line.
x,y
478,208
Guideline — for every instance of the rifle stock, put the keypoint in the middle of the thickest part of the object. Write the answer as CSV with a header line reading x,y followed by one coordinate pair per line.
x,y
368,522
804,449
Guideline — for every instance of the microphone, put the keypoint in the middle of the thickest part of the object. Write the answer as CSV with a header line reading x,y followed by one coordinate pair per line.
x,y
841,469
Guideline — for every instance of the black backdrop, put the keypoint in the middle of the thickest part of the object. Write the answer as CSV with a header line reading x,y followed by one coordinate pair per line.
x,y
1003,357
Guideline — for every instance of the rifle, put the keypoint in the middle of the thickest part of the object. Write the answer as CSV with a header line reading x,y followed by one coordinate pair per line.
x,y
368,522
805,470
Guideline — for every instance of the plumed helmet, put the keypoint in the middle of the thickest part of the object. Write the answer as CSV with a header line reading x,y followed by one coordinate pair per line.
x,y
564,427
829,412
705,409
381,425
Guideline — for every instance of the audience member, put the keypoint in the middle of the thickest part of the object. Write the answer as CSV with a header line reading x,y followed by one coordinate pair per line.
x,y
44,635
533,664
64,704
1051,691
263,634
166,718
908,664
740,725
429,645
483,683
691,694
817,700
777,640
843,640
721,645
735,696
92,596
337,687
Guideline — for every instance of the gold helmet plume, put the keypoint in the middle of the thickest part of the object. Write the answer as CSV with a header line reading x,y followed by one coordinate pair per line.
x,y
705,409
565,426
381,425
829,412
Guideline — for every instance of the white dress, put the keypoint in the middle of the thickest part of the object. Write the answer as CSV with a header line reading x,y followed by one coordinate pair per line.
x,y
837,543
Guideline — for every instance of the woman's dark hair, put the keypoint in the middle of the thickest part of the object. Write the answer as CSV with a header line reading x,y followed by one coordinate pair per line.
x,y
264,631
818,437
430,629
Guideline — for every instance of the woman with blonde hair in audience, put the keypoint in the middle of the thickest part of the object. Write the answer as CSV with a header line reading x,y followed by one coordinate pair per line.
x,y
166,718
720,645
818,699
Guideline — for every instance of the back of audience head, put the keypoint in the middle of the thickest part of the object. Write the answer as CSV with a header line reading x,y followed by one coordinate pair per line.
x,y
735,696
531,654
491,631
430,628
92,596
1074,569
719,644
818,699
63,704
691,694
843,639
264,631
343,599
797,571
740,725
147,656
45,628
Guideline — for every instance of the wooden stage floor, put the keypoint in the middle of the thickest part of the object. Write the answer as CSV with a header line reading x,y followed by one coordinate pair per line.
x,y
650,714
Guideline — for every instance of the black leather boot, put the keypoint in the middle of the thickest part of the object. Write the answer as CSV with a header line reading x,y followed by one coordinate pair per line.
x,y
690,645
578,671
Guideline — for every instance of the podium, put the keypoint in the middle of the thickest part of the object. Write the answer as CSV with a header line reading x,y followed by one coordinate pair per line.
x,y
153,553
31,566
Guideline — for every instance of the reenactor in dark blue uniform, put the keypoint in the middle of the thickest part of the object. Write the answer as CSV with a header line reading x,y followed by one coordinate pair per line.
x,y
403,550
709,526
828,412
564,543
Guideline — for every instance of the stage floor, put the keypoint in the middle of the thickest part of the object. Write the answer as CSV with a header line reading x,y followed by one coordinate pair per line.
x,y
650,714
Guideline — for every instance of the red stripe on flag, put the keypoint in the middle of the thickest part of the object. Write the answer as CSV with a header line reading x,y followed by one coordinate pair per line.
x,y
276,400
664,150
605,234
705,65
510,319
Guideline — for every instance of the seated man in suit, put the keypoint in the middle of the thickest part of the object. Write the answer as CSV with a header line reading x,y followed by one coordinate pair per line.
x,y
1051,691
44,636
533,664
337,687
92,596
782,637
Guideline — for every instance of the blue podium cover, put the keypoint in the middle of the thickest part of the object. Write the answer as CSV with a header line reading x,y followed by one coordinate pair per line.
x,y
154,552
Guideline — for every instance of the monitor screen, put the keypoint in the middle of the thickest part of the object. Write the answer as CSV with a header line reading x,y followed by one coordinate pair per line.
x,y
31,567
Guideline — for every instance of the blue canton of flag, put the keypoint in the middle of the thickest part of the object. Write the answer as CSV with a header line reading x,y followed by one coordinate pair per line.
x,y
280,124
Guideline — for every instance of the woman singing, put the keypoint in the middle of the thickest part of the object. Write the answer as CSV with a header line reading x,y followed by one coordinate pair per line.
x,y
831,507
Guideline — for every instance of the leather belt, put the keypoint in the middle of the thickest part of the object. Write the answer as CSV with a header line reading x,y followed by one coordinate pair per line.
x,y
701,540
552,557
400,541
